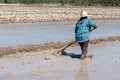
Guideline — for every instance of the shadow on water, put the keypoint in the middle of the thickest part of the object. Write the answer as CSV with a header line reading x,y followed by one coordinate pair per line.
x,y
72,55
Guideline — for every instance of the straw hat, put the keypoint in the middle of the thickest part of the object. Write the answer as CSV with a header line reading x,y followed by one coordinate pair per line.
x,y
84,14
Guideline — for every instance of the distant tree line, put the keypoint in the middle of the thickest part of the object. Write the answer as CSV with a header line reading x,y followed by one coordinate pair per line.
x,y
72,2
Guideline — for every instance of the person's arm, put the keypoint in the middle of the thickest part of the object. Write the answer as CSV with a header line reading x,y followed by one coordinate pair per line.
x,y
93,28
92,24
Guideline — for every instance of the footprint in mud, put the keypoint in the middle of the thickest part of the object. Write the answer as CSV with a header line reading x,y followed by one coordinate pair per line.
x,y
25,63
1,67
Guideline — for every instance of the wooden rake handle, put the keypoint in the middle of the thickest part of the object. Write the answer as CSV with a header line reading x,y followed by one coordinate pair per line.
x,y
66,46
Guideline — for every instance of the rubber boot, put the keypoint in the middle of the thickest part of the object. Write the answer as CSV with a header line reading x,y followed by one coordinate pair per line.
x,y
83,55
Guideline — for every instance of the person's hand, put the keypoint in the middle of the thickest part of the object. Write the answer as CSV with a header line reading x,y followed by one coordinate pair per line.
x,y
92,29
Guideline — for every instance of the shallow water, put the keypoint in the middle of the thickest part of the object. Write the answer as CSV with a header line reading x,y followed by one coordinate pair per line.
x,y
24,34
105,65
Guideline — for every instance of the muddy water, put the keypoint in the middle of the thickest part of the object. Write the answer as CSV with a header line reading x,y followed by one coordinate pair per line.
x,y
105,65
24,34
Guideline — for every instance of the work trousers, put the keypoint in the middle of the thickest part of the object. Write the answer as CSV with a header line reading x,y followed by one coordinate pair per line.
x,y
84,47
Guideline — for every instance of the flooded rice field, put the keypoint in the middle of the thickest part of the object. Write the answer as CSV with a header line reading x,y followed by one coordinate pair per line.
x,y
26,34
105,65
31,65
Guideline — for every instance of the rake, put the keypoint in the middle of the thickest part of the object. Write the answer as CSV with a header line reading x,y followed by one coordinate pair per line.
x,y
71,43
58,52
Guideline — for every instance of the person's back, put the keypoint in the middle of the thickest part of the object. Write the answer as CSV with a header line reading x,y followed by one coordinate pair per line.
x,y
82,32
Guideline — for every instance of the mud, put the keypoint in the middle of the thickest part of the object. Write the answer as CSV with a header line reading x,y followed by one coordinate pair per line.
x,y
32,66
51,46
28,62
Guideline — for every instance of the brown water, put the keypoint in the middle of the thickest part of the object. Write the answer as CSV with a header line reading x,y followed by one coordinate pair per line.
x,y
105,65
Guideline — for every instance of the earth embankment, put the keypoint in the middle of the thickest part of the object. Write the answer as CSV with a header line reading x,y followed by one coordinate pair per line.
x,y
56,46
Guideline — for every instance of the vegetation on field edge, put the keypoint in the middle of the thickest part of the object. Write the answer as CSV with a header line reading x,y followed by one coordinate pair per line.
x,y
71,2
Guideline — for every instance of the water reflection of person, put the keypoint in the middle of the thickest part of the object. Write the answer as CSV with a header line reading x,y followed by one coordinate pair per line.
x,y
82,32
83,72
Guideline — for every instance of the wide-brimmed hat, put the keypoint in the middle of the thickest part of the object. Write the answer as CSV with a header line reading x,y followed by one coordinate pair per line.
x,y
84,14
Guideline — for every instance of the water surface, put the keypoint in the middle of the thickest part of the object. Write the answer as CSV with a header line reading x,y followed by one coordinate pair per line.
x,y
25,34
105,65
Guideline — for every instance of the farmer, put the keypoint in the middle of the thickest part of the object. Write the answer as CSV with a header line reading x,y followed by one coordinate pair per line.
x,y
82,32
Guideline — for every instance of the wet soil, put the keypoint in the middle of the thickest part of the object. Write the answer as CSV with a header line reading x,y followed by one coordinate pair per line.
x,y
51,46
27,62
32,66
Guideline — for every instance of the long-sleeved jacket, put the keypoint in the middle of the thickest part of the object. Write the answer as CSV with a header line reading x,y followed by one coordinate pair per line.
x,y
82,30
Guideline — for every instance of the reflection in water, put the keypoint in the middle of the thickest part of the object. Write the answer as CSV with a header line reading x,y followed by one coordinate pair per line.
x,y
83,72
